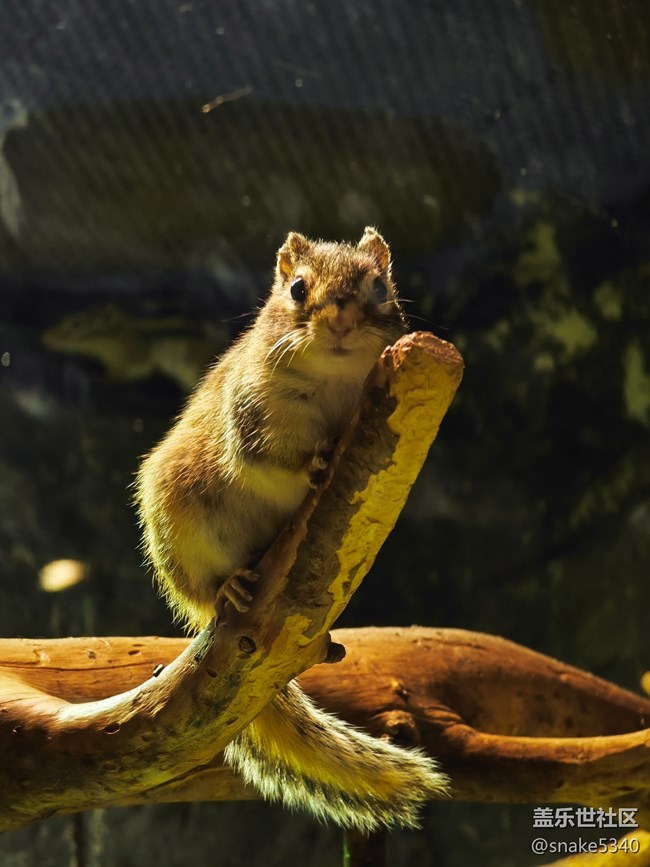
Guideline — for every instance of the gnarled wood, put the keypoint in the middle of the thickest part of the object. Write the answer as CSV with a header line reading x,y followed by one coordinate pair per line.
x,y
61,757
507,723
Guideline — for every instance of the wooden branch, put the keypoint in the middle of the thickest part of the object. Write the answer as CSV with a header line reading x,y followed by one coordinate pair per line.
x,y
61,757
508,724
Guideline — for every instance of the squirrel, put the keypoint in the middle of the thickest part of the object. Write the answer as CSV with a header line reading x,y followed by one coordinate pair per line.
x,y
233,470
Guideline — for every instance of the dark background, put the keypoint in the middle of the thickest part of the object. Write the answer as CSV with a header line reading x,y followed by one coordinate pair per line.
x,y
502,147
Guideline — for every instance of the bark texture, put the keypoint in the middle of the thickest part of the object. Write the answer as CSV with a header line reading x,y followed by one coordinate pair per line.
x,y
507,723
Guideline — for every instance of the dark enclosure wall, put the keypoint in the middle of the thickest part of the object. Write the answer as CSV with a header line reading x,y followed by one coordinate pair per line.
x,y
503,149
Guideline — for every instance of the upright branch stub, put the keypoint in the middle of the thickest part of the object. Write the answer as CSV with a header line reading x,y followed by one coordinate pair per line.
x,y
316,564
60,757
376,464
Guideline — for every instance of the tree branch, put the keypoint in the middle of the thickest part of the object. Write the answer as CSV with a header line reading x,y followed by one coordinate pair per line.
x,y
61,757
508,724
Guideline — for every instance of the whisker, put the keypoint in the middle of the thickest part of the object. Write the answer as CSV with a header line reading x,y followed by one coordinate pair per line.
x,y
430,322
307,343
297,338
289,337
248,315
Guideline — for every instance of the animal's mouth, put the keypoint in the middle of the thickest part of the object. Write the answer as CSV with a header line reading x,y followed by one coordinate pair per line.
x,y
340,350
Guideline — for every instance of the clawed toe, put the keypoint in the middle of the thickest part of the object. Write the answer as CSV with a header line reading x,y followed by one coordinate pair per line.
x,y
238,589
233,591
221,616
319,462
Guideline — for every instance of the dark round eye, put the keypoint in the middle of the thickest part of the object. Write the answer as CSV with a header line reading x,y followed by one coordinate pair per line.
x,y
379,291
298,289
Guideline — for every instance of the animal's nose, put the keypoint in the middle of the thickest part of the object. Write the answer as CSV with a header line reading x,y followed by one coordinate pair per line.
x,y
342,319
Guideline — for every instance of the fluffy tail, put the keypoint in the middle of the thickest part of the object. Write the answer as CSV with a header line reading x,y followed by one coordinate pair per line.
x,y
295,753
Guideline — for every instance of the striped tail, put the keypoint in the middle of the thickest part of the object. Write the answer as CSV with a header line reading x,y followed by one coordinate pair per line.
x,y
310,760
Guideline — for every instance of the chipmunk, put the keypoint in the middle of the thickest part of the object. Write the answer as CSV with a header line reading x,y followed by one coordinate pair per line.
x,y
232,471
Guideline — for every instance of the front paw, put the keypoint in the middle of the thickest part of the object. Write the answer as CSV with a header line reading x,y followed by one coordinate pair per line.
x,y
320,462
233,593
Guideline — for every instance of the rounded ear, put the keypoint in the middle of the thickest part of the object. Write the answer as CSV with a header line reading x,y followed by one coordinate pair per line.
x,y
373,243
295,247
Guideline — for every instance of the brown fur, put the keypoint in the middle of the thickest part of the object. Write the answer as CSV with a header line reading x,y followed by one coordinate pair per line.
x,y
236,465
